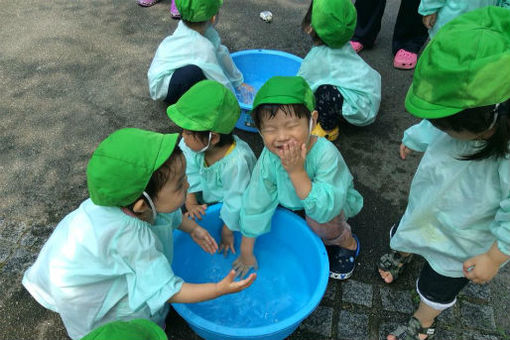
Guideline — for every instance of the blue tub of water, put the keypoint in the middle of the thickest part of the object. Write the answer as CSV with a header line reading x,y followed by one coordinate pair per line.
x,y
291,280
257,66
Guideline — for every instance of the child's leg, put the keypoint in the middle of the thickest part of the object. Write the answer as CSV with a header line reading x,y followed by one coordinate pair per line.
x,y
329,103
437,293
182,80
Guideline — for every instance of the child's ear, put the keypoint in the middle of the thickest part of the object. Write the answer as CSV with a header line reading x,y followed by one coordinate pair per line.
x,y
213,19
215,138
308,29
315,116
140,206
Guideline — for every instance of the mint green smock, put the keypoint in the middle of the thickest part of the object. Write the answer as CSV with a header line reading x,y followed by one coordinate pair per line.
x,y
457,209
188,47
450,9
359,84
332,189
101,265
224,181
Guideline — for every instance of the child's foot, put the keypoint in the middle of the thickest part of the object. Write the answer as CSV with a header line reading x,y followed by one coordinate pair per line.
x,y
413,331
174,11
357,46
392,264
147,3
342,261
405,60
331,135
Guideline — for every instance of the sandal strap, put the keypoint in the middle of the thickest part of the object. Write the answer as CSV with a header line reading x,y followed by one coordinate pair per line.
x,y
394,263
413,330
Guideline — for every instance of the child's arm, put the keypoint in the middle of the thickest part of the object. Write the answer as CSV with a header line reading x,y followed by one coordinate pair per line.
x,y
192,293
199,235
429,7
246,260
418,137
482,268
293,161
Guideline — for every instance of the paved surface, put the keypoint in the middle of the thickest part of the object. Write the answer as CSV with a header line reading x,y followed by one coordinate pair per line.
x,y
71,72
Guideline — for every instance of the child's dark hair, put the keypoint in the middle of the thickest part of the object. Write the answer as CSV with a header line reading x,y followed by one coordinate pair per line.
x,y
478,120
268,111
195,25
161,176
203,136
307,23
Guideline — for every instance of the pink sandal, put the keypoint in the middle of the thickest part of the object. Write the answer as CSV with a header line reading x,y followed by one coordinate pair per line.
x,y
174,11
147,3
405,60
357,46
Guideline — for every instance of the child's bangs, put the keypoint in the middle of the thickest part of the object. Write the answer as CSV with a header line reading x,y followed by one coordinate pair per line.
x,y
269,111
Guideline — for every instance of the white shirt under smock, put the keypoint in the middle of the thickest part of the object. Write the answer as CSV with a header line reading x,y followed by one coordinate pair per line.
x,y
332,189
359,84
224,181
450,9
457,209
188,47
101,265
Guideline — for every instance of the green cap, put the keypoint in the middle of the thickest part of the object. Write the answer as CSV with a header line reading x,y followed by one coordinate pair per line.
x,y
138,329
334,21
206,106
285,90
123,164
198,10
466,65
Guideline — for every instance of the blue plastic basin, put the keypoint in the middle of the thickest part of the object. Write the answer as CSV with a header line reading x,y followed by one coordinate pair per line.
x,y
257,66
291,280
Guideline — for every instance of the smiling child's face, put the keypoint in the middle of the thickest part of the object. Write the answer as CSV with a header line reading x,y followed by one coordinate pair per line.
x,y
173,193
283,128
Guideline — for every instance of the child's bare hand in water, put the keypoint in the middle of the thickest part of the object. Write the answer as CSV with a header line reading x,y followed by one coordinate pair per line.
x,y
293,156
204,239
228,285
227,241
244,263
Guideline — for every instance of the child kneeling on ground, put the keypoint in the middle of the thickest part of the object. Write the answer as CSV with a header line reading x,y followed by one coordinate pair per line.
x,y
299,171
111,258
218,163
458,215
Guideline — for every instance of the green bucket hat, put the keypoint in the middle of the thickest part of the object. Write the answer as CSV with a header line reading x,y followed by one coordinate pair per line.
x,y
206,106
285,90
123,164
138,329
334,21
198,10
466,65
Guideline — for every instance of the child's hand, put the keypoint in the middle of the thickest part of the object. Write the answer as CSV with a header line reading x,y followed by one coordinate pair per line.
x,y
480,269
404,151
227,241
293,156
244,263
204,239
195,210
228,285
247,93
429,20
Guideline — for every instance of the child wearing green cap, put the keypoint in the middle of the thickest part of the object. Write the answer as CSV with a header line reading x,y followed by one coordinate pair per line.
x,y
193,53
218,163
458,215
436,13
300,172
110,259
345,86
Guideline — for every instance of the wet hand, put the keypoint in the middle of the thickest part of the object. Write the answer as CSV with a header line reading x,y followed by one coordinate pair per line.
x,y
204,239
227,241
228,285
244,263
195,210
293,156
246,92
404,151
429,20
480,269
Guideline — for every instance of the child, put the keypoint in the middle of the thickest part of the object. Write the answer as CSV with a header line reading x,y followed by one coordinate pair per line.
x,y
436,13
218,164
111,258
344,85
192,53
298,171
458,216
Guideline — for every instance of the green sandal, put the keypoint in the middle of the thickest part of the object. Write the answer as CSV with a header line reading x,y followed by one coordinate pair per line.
x,y
413,330
394,263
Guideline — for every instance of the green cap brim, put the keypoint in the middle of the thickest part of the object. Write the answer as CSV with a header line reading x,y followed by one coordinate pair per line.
x,y
181,120
167,147
423,109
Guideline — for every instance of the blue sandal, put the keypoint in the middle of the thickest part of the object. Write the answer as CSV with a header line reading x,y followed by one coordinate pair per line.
x,y
342,261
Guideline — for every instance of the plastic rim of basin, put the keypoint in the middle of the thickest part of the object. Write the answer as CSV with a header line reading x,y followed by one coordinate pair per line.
x,y
294,62
282,328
